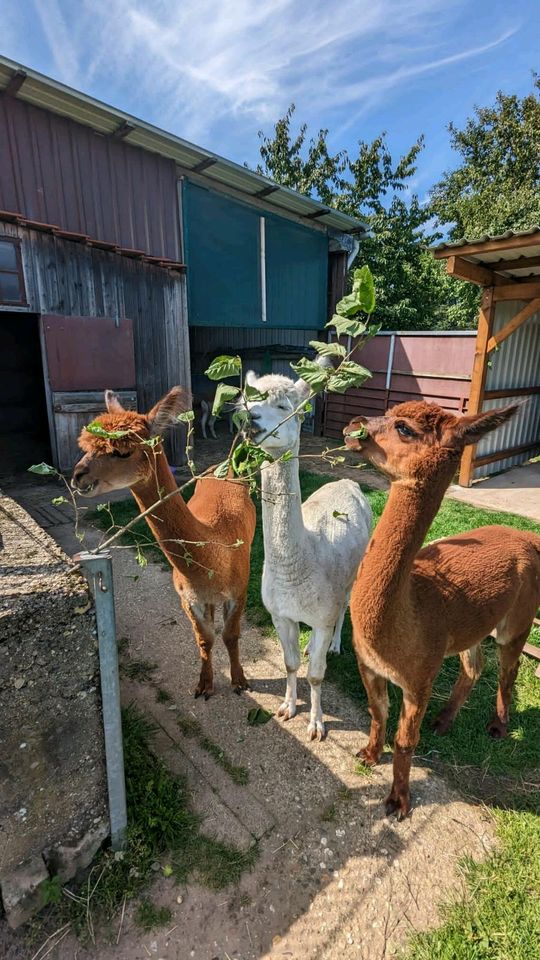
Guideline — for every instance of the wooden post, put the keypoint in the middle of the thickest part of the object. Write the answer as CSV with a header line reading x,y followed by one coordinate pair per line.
x,y
478,379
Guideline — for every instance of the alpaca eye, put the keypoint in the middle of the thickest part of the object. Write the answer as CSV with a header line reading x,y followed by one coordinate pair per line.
x,y
405,431
123,456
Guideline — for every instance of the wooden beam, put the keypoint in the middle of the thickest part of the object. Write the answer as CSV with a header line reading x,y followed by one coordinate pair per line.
x,y
465,270
14,83
266,191
532,650
478,377
504,454
123,130
518,291
204,164
519,263
527,311
510,392
488,246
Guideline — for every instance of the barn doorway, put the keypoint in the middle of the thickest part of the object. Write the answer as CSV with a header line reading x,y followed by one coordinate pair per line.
x,y
24,430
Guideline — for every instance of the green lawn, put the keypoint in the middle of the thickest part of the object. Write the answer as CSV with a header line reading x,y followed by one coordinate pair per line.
x,y
500,918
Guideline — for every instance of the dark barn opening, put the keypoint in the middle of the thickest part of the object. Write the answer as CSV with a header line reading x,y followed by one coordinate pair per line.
x,y
24,429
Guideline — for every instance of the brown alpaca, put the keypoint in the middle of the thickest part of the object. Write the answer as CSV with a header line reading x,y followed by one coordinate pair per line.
x,y
219,513
410,608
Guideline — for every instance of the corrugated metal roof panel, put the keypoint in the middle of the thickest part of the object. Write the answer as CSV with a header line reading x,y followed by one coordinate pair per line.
x,y
44,92
448,245
515,364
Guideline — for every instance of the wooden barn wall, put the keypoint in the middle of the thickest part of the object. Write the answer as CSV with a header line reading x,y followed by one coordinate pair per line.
x,y
75,280
58,171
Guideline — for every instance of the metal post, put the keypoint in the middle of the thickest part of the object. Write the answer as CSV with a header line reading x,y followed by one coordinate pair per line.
x,y
99,570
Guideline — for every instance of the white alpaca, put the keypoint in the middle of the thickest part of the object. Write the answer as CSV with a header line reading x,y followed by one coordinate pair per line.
x,y
311,551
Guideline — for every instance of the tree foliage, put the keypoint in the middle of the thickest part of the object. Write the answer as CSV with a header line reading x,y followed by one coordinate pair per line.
x,y
496,186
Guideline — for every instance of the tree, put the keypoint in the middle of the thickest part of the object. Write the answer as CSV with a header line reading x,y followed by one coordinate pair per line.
x,y
496,186
369,186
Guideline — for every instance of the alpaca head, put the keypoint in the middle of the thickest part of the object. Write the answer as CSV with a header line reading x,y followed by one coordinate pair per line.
x,y
283,396
115,462
415,440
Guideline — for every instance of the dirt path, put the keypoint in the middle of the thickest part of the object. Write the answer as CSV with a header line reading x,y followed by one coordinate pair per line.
x,y
334,875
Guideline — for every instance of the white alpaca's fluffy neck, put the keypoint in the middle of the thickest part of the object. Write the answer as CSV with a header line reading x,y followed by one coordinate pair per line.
x,y
283,525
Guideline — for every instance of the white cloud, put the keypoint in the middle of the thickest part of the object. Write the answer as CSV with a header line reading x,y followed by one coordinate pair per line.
x,y
200,67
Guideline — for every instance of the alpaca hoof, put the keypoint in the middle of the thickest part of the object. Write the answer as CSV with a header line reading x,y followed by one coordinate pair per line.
x,y
368,758
205,692
441,724
240,685
497,729
316,730
400,805
286,711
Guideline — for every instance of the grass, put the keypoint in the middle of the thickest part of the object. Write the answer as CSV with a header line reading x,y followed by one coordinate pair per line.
x,y
162,825
499,916
148,916
191,727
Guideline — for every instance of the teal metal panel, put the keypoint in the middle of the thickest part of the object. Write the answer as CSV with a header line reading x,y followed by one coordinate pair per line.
x,y
222,257
296,275
222,253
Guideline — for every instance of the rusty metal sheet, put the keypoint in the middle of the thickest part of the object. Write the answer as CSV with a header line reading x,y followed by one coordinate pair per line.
x,y
89,353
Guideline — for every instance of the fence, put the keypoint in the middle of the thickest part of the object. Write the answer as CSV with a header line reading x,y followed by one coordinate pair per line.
x,y
407,366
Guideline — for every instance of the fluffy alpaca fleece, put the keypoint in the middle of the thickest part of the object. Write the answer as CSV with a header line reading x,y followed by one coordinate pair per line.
x,y
411,607
311,550
196,538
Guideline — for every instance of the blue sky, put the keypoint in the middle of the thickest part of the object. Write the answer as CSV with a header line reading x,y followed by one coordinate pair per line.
x,y
217,72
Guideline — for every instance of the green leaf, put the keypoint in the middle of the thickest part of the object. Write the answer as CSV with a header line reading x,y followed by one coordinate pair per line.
x,y
167,870
152,441
333,349
224,394
348,375
59,500
364,289
360,434
312,372
99,431
285,457
141,559
43,470
308,407
348,326
223,367
247,458
348,306
185,417
251,393
257,716
240,418
339,513
103,506
222,469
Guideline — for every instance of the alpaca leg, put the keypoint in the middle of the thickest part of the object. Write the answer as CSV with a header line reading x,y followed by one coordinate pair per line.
x,y
287,631
377,694
321,638
509,654
232,614
202,621
205,410
335,646
472,664
408,734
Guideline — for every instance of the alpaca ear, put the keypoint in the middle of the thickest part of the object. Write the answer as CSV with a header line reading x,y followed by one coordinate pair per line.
x,y
166,410
113,403
251,378
471,428
303,390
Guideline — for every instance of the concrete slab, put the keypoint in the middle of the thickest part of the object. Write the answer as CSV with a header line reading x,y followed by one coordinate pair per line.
x,y
514,491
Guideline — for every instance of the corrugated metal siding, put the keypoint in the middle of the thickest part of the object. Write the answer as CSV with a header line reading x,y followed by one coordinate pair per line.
x,y
425,366
515,364
222,240
58,171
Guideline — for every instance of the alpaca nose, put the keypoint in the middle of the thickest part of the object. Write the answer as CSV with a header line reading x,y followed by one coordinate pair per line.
x,y
79,471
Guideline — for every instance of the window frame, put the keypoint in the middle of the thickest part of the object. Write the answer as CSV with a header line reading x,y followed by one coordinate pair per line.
x,y
18,272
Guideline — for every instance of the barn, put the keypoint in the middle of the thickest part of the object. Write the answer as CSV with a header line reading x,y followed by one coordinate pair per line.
x,y
129,257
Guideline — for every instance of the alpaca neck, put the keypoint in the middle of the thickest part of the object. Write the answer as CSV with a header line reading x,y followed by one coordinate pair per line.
x,y
384,575
171,519
283,524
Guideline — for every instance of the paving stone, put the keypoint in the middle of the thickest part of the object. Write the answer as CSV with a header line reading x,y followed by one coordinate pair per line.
x,y
21,891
